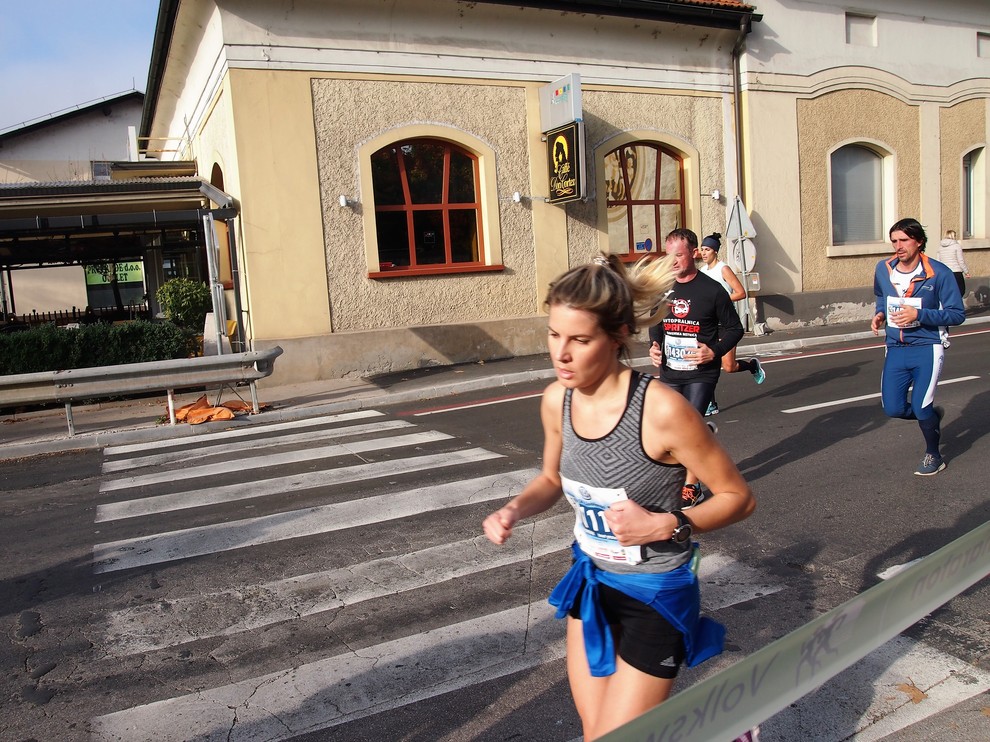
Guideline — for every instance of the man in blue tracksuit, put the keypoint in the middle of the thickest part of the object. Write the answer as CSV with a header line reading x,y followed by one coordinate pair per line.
x,y
919,299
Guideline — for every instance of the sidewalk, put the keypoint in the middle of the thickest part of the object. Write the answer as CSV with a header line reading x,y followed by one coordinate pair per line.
x,y
141,420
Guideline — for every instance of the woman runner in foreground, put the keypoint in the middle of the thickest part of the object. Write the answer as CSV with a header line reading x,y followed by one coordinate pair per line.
x,y
616,444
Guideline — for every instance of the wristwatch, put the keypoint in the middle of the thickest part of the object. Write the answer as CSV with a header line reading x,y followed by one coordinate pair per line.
x,y
684,528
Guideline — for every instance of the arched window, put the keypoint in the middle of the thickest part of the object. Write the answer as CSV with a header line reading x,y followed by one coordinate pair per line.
x,y
644,185
857,193
974,217
427,206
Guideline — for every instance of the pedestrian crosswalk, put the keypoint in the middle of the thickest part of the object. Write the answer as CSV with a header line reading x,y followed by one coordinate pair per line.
x,y
173,503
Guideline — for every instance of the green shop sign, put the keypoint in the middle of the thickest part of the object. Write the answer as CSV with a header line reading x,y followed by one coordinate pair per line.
x,y
126,273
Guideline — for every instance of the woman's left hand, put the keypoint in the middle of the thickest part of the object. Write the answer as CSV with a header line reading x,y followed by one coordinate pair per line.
x,y
633,525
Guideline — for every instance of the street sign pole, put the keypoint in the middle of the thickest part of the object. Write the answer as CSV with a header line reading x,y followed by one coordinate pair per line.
x,y
740,230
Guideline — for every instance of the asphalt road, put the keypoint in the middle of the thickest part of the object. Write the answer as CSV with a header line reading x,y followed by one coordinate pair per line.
x,y
325,579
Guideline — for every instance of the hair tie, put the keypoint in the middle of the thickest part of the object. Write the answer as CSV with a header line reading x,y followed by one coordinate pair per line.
x,y
600,260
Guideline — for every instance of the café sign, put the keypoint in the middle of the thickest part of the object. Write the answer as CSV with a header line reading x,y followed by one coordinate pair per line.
x,y
565,163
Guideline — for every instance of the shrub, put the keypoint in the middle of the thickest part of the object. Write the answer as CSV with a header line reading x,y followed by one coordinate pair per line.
x,y
51,348
185,302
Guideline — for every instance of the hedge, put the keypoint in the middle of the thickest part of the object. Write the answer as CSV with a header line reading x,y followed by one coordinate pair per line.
x,y
51,348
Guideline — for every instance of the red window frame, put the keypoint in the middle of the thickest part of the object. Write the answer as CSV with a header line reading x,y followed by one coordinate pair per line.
x,y
656,201
444,206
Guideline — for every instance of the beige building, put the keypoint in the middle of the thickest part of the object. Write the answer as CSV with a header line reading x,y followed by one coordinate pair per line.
x,y
401,203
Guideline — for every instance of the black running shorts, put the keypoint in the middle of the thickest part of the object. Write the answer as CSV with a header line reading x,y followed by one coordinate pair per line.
x,y
645,639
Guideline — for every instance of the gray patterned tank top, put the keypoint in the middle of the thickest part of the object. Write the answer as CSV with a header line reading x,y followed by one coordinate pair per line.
x,y
618,460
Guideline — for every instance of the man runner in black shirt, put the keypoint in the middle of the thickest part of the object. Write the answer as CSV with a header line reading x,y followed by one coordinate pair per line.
x,y
700,327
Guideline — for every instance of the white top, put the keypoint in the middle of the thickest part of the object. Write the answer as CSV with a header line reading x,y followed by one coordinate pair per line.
x,y
950,252
715,271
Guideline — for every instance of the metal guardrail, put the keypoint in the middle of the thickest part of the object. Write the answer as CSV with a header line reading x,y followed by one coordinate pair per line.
x,y
98,382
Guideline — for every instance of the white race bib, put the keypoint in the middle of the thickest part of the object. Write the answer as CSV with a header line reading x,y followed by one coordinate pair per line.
x,y
674,347
591,530
894,303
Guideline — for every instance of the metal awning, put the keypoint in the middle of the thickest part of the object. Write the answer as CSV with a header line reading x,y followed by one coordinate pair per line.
x,y
80,222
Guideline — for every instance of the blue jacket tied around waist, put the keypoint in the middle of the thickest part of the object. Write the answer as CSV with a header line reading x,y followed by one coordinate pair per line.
x,y
674,595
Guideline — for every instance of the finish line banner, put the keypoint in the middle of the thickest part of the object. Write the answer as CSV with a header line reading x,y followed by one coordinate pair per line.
x,y
740,697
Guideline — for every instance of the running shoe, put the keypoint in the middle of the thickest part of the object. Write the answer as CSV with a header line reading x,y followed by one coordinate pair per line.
x,y
691,495
930,464
760,375
712,409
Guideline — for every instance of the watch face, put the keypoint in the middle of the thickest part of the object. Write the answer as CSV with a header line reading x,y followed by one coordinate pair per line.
x,y
682,533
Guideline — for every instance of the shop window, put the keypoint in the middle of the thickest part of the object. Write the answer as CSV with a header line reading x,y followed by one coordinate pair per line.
x,y
858,186
644,185
427,206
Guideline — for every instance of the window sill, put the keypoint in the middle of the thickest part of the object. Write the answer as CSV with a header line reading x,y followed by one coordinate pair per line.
x,y
436,270
858,248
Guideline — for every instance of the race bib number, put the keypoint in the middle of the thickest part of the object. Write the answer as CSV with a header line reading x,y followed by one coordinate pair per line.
x,y
591,530
894,303
674,348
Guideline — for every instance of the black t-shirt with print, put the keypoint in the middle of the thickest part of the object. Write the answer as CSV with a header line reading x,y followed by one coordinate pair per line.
x,y
699,311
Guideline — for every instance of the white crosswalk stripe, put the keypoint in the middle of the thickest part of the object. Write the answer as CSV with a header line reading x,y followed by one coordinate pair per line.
x,y
277,459
317,695
250,431
291,483
226,448
190,542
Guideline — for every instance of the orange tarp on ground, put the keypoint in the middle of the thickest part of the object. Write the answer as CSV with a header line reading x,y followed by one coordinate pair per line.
x,y
202,411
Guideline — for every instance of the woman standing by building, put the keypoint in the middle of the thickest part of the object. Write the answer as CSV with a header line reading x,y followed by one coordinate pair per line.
x,y
950,252
616,444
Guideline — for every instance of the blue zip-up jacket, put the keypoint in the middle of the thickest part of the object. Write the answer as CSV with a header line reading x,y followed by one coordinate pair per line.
x,y
673,594
941,303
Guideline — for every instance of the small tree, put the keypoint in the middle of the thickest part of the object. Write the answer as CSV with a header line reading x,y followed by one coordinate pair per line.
x,y
185,302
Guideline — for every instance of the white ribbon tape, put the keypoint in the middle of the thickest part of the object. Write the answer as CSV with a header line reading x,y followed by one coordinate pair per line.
x,y
726,705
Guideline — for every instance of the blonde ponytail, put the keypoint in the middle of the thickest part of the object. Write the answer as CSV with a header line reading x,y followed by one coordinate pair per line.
x,y
619,297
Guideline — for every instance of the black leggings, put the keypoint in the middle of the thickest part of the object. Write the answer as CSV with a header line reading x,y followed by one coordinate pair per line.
x,y
698,393
960,282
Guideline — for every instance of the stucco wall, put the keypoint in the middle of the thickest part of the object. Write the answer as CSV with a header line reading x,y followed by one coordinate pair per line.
x,y
825,123
962,127
349,112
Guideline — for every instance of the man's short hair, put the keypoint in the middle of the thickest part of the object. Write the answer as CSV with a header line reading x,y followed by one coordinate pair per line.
x,y
683,234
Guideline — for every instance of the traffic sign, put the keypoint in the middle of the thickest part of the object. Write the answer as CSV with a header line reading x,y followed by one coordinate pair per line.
x,y
739,224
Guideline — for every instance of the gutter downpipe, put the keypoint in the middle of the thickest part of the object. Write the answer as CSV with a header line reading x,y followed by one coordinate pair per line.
x,y
745,27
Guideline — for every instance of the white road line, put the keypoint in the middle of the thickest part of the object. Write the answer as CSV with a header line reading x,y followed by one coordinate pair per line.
x,y
241,432
893,687
455,408
277,459
350,686
183,544
289,483
199,452
847,400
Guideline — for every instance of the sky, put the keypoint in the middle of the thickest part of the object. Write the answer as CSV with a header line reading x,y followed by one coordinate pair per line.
x,y
60,54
